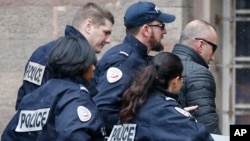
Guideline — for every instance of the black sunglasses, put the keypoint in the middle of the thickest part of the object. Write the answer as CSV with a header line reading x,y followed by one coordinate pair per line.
x,y
162,26
210,43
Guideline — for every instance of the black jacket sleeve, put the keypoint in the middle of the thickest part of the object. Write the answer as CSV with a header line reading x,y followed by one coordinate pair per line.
x,y
200,90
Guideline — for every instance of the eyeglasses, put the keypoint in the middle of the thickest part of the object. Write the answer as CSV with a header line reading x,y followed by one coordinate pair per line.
x,y
214,46
161,26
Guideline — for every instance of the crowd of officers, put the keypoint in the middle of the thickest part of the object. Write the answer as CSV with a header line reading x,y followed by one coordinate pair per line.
x,y
69,95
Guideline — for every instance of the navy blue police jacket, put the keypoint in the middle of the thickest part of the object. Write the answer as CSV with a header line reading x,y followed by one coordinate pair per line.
x,y
60,110
113,75
36,70
161,118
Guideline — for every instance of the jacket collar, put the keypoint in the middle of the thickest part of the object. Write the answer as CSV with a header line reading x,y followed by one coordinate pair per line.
x,y
137,45
188,53
70,30
82,81
168,94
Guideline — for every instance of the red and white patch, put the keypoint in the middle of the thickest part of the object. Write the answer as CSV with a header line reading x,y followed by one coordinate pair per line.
x,y
114,74
185,113
83,113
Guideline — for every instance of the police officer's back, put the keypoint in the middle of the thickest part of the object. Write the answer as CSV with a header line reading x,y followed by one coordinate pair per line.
x,y
150,110
61,109
89,17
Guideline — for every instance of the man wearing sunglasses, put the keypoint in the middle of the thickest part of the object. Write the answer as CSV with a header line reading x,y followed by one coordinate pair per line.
x,y
115,71
196,48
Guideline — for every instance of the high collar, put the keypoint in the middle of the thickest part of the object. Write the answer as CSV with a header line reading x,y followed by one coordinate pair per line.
x,y
188,53
167,93
137,45
80,80
70,30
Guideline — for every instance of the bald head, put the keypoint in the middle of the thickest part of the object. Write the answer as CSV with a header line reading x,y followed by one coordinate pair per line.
x,y
197,29
202,37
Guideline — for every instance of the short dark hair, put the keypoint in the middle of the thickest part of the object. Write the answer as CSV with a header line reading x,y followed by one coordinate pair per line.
x,y
94,12
71,56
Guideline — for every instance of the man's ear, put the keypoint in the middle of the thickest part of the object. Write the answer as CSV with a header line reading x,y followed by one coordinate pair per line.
x,y
200,49
88,24
199,46
146,31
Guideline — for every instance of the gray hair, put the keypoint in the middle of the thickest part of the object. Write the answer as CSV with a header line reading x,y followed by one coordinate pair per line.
x,y
195,29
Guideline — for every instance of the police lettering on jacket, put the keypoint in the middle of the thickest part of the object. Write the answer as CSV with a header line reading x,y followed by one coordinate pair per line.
x,y
34,73
32,120
125,132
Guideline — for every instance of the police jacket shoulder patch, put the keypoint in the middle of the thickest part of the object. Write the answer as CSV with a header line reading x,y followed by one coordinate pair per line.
x,y
84,113
114,74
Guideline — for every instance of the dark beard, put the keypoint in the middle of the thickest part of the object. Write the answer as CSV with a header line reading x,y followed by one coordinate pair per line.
x,y
158,47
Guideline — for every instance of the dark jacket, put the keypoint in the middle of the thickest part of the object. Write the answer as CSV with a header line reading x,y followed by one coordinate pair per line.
x,y
36,70
123,60
199,88
60,110
161,118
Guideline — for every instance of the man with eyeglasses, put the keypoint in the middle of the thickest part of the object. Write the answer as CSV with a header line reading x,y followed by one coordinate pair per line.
x,y
196,49
114,73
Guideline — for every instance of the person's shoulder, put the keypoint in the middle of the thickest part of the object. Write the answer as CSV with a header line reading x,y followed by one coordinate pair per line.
x,y
197,69
162,99
116,54
40,53
123,47
67,87
45,48
199,75
61,85
194,67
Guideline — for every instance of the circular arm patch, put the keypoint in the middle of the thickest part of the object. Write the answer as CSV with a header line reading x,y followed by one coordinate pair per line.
x,y
114,74
83,113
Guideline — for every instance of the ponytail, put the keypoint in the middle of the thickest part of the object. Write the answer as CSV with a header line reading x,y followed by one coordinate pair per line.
x,y
137,94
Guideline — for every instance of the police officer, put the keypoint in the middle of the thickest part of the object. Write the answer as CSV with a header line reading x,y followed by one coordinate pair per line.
x,y
91,21
145,28
150,110
62,109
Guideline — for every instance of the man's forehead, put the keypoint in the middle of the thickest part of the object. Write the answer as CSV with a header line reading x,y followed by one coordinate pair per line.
x,y
107,28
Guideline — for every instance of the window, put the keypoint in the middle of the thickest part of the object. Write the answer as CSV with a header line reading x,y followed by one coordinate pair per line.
x,y
242,62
